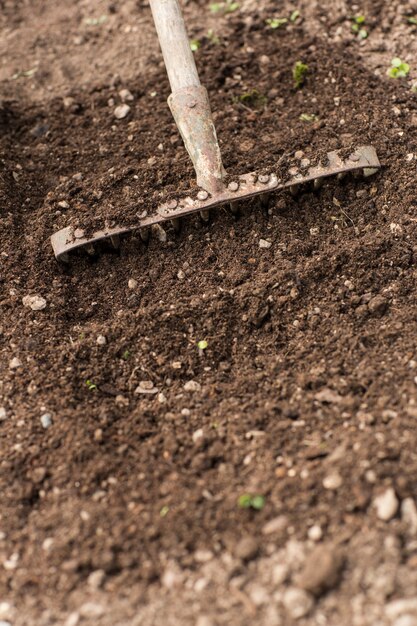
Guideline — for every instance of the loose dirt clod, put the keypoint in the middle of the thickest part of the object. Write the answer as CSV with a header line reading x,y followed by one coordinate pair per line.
x,y
322,570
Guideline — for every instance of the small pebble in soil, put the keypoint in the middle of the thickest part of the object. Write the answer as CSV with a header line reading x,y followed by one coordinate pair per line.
x,y
198,434
146,387
314,231
192,385
315,533
396,229
322,570
36,303
247,548
275,525
404,620
125,95
264,243
297,602
63,204
3,414
386,505
15,363
73,619
409,515
378,305
132,283
101,340
96,579
180,275
332,481
46,420
205,620
121,111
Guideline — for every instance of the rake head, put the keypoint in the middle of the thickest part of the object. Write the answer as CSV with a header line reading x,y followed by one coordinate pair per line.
x,y
363,160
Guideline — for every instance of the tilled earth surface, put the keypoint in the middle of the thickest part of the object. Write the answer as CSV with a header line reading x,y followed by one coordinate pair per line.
x,y
126,449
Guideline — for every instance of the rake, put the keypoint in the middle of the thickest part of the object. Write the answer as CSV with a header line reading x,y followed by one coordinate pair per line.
x,y
190,107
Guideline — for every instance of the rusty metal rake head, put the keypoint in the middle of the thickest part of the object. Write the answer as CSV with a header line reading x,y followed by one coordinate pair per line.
x,y
189,104
364,161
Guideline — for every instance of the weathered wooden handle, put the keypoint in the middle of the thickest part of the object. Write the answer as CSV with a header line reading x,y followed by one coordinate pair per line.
x,y
175,45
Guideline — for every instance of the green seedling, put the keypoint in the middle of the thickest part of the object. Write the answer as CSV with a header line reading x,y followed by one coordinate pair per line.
x,y
294,16
25,73
308,117
125,355
90,385
164,511
252,99
212,37
398,69
195,44
95,21
276,22
357,26
250,501
224,7
202,345
299,72
412,20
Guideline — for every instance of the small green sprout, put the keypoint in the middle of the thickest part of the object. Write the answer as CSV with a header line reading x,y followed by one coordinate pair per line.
x,y
90,385
294,16
412,20
308,117
398,69
276,22
253,99
125,355
195,44
164,511
299,72
249,501
212,37
357,26
95,21
229,6
202,345
25,73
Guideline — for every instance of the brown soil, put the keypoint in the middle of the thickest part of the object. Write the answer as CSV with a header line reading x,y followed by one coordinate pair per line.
x,y
310,370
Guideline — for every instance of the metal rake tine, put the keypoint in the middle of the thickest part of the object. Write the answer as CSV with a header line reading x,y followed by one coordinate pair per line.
x,y
205,215
115,241
176,224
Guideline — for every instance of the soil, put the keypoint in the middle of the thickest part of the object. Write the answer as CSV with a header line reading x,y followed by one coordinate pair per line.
x,y
124,459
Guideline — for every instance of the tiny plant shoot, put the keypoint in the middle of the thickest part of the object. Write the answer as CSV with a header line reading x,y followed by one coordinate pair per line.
x,y
358,28
398,69
253,99
90,385
224,7
294,16
308,117
202,345
212,37
250,501
412,20
195,45
276,22
299,72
